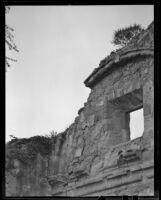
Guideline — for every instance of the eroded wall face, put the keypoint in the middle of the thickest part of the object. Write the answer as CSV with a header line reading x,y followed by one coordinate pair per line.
x,y
101,133
96,156
104,122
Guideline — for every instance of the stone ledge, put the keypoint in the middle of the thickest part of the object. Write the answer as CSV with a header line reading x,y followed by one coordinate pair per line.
x,y
102,70
121,191
109,181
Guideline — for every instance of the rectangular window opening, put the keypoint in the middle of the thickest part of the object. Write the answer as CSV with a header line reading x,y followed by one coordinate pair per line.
x,y
136,123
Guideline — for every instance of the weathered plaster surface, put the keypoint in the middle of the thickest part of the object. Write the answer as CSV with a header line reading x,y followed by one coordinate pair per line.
x,y
95,156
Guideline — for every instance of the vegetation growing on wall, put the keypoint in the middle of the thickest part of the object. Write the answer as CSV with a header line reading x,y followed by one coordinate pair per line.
x,y
26,149
124,35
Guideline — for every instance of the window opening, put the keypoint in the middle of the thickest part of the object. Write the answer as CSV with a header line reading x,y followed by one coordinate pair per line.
x,y
136,123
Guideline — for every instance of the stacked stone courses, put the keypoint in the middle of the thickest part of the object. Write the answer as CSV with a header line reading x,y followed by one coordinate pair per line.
x,y
95,156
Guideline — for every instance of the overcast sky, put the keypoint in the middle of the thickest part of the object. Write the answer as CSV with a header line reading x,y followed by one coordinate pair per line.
x,y
59,47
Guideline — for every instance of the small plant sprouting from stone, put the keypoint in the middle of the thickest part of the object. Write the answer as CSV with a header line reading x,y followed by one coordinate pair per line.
x,y
123,36
52,134
13,137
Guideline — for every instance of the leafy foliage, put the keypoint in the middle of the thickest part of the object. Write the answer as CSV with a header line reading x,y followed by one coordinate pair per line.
x,y
26,149
124,35
9,40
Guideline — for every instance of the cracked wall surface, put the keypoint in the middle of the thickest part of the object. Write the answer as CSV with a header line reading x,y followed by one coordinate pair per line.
x,y
95,155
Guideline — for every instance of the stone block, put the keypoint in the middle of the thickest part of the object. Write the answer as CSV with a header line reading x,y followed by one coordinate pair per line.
x,y
132,178
146,192
147,109
111,126
100,103
16,163
119,92
125,135
149,135
82,117
95,168
57,180
91,120
80,173
148,155
148,124
70,140
111,96
84,125
97,129
128,89
80,141
78,152
128,156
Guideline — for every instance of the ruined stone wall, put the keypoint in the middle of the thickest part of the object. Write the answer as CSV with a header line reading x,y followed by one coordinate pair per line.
x,y
95,155
102,129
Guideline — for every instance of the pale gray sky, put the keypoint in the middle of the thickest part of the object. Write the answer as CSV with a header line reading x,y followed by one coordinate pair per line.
x,y
59,47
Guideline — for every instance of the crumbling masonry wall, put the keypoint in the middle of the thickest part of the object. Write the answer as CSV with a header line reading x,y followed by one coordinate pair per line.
x,y
95,156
